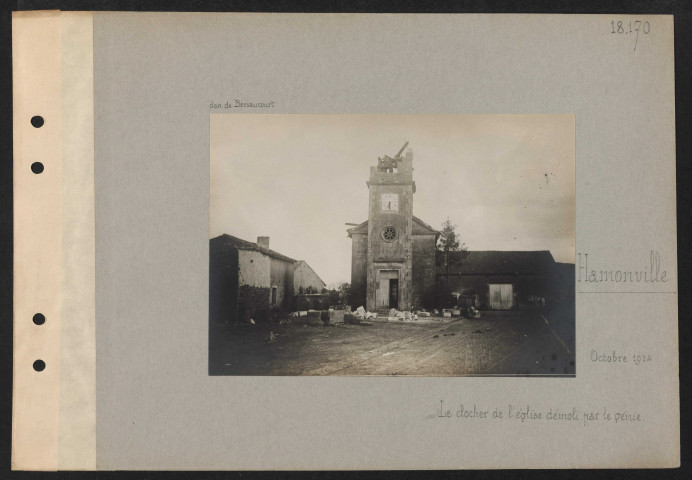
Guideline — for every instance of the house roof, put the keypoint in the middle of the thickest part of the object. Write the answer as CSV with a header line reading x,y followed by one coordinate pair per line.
x,y
226,240
490,262
420,228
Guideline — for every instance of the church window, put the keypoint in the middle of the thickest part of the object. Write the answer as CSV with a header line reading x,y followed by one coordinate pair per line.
x,y
389,234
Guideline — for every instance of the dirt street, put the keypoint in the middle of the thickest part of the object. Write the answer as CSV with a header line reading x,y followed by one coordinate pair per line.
x,y
499,343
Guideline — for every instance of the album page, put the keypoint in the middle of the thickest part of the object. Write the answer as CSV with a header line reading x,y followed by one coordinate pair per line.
x,y
251,241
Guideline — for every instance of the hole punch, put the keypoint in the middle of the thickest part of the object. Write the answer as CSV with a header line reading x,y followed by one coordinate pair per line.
x,y
37,167
37,121
39,365
39,319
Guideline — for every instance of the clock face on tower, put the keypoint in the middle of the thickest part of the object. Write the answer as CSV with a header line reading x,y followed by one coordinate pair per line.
x,y
390,202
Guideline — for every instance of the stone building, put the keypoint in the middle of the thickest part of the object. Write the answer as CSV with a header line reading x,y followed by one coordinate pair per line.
x,y
393,252
247,278
393,260
304,277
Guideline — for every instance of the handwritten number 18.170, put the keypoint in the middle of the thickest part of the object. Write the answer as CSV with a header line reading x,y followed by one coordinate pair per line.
x,y
622,28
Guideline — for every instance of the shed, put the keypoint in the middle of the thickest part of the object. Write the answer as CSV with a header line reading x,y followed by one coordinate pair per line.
x,y
499,280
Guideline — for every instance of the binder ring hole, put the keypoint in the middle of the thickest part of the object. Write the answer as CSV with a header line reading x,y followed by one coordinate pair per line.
x,y
37,167
39,365
37,121
39,319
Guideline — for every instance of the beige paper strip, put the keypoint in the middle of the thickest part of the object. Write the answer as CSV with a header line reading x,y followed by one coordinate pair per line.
x,y
54,424
37,239
77,437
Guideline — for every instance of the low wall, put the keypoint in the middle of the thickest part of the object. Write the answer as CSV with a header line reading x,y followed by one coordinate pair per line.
x,y
311,301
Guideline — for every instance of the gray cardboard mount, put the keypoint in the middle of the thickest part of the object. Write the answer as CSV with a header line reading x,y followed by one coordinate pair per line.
x,y
155,76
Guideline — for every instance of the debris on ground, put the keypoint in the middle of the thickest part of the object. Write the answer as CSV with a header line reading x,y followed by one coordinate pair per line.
x,y
395,315
271,338
252,321
436,336
477,331
360,311
325,317
314,318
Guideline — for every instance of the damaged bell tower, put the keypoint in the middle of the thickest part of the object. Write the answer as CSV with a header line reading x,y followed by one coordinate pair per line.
x,y
390,224
393,252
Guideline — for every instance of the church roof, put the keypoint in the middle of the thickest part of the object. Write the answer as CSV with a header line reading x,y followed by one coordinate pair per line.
x,y
423,228
491,262
360,228
426,228
226,240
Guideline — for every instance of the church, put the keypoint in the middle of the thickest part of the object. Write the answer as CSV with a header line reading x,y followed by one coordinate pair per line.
x,y
393,260
393,252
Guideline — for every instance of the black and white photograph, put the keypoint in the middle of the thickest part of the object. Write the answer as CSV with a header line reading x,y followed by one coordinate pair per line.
x,y
392,245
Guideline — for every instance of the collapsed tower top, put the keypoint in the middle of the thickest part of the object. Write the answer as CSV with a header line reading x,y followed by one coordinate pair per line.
x,y
390,164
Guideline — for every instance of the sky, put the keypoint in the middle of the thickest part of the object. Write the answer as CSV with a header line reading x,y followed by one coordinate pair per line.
x,y
506,181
